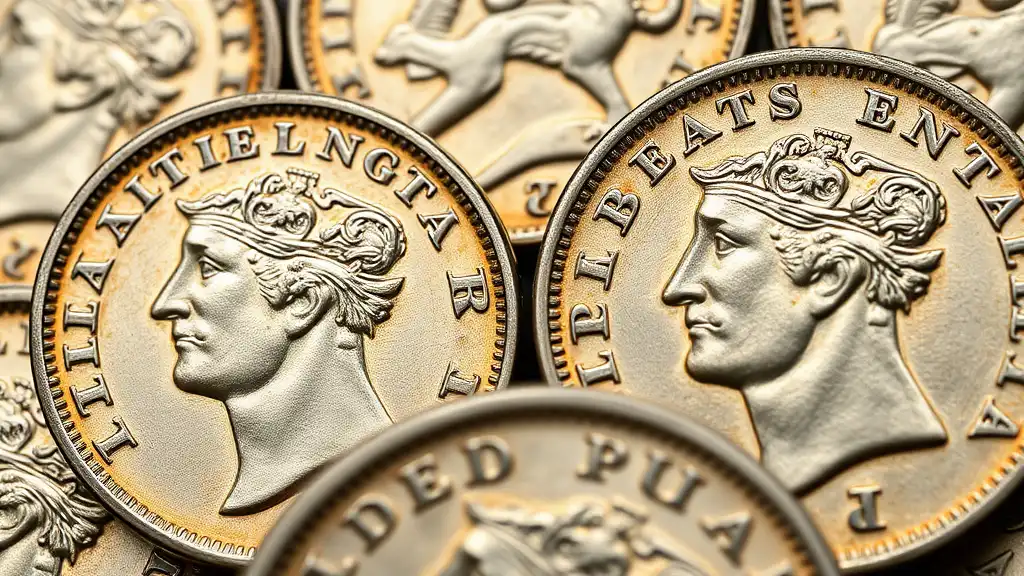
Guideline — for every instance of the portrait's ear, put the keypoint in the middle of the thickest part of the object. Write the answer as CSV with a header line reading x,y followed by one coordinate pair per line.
x,y
835,281
306,309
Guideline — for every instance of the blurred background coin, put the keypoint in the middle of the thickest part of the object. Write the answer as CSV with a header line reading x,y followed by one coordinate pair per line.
x,y
250,289
78,78
517,90
545,482
52,525
975,43
815,252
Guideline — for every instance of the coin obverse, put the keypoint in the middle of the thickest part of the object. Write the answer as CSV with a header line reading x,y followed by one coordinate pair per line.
x,y
815,252
52,525
79,78
250,289
545,482
517,90
974,43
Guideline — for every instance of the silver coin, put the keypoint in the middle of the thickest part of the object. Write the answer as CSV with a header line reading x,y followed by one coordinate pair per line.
x,y
545,482
257,285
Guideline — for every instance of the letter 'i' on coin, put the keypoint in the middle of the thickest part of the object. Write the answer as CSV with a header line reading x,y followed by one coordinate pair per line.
x,y
250,289
544,482
518,91
816,252
78,78
52,524
974,43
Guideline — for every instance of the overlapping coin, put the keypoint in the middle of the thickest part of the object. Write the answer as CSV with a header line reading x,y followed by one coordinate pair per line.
x,y
517,90
975,43
815,252
546,482
52,525
250,289
78,78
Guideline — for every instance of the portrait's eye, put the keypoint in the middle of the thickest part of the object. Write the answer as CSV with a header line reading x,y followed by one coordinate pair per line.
x,y
207,268
723,245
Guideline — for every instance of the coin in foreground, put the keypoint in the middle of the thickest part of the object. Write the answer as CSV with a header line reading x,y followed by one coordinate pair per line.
x,y
249,290
815,252
535,482
517,90
974,43
78,78
52,525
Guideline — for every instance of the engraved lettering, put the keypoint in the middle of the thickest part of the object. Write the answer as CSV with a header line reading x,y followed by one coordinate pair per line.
x,y
934,141
135,188
583,323
653,162
983,162
438,226
469,292
353,79
120,225
86,318
167,165
454,382
696,134
237,82
619,209
284,141
96,393
1009,371
784,102
1000,208
603,454
345,147
373,520
119,439
878,109
865,517
1011,247
600,373
86,354
240,145
537,192
657,465
95,273
993,422
491,469
730,533
374,168
418,184
426,486
314,566
600,269
737,105
206,153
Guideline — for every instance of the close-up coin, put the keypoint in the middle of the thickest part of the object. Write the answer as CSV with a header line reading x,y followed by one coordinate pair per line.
x,y
78,78
249,289
815,252
51,525
546,482
974,43
517,90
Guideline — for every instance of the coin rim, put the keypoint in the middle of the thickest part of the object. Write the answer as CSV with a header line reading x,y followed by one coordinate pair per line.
x,y
273,47
327,489
213,110
525,236
781,38
751,64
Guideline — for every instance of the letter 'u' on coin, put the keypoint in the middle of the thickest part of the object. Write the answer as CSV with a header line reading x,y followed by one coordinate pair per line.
x,y
517,90
815,252
545,482
973,43
250,289
52,525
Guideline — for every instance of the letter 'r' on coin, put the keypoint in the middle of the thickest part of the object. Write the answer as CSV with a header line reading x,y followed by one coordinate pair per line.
x,y
251,289
517,90
542,483
975,43
816,252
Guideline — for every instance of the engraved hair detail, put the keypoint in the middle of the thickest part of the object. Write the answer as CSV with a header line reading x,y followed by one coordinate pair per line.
x,y
125,47
37,484
278,218
802,184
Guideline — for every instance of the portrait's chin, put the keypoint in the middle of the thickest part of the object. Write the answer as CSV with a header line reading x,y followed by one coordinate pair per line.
x,y
194,379
709,368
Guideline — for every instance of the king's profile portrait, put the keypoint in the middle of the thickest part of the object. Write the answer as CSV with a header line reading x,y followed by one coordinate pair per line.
x,y
280,284
803,259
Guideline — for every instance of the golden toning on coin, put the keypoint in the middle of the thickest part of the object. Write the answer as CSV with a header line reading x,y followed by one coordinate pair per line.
x,y
545,483
78,78
51,524
816,252
517,90
250,289
974,43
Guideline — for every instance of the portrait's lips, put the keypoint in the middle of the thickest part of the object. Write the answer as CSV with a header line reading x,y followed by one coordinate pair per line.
x,y
186,339
695,324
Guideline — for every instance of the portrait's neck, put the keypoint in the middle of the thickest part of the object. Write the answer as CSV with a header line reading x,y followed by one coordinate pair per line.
x,y
316,407
851,397
45,168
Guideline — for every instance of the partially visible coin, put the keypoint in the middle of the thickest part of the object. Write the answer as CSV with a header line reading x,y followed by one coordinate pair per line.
x,y
52,525
78,78
545,482
517,90
248,290
814,251
974,43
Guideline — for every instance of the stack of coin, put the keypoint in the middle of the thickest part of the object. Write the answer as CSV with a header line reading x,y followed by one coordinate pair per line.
x,y
280,332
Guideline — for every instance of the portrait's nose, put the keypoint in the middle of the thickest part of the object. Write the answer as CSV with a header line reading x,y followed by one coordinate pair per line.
x,y
682,288
171,303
